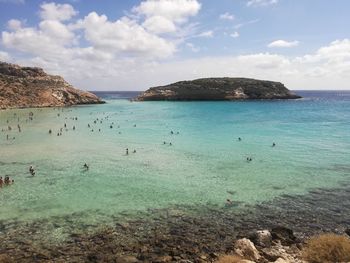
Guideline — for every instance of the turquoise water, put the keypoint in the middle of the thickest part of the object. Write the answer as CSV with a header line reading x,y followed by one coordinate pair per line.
x,y
205,165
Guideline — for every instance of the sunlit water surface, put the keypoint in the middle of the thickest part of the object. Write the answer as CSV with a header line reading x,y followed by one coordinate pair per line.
x,y
205,165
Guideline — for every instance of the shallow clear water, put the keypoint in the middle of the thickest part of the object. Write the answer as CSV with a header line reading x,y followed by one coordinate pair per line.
x,y
206,163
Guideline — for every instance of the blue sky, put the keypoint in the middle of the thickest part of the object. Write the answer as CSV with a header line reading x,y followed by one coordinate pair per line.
x,y
131,45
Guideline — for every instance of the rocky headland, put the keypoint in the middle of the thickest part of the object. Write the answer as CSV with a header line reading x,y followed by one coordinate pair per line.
x,y
25,87
219,89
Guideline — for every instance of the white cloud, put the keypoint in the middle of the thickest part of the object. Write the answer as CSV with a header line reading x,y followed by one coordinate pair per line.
x,y
261,2
57,31
159,25
124,35
283,43
317,70
131,53
227,16
207,34
53,11
14,24
175,10
250,22
234,34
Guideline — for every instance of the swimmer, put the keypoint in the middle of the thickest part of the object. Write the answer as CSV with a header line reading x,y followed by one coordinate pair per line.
x,y
274,144
50,132
86,166
7,180
134,151
31,170
239,139
171,132
164,142
170,144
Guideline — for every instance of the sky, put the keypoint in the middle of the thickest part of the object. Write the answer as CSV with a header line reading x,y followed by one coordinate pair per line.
x,y
137,44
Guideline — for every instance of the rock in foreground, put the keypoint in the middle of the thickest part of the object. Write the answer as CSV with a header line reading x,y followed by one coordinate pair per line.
x,y
219,89
22,87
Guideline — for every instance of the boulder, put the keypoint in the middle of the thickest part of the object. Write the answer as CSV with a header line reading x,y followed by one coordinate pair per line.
x,y
246,249
280,252
281,260
284,235
261,238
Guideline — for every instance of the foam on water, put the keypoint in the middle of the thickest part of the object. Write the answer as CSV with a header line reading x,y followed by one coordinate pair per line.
x,y
206,164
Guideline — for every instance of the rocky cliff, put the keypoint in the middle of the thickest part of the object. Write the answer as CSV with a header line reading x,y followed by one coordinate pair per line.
x,y
22,87
219,89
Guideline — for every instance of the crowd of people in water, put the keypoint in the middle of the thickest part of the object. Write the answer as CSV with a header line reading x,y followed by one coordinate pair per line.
x,y
6,181
92,128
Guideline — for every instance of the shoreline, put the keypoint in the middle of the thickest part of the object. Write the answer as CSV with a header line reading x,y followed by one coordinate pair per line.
x,y
200,236
50,106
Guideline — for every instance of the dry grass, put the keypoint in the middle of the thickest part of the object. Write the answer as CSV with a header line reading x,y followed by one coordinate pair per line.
x,y
229,259
327,248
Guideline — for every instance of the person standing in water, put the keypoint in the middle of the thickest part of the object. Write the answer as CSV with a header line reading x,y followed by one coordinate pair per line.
x,y
31,170
127,151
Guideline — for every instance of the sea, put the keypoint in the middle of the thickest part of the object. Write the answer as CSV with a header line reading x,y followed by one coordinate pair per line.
x,y
156,155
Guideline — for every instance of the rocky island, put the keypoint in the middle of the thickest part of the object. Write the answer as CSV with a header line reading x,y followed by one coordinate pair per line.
x,y
23,87
219,89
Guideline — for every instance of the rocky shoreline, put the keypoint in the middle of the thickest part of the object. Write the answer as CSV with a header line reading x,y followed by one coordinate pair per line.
x,y
175,235
29,87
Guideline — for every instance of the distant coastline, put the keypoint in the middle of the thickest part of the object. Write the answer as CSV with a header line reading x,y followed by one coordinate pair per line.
x,y
219,89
